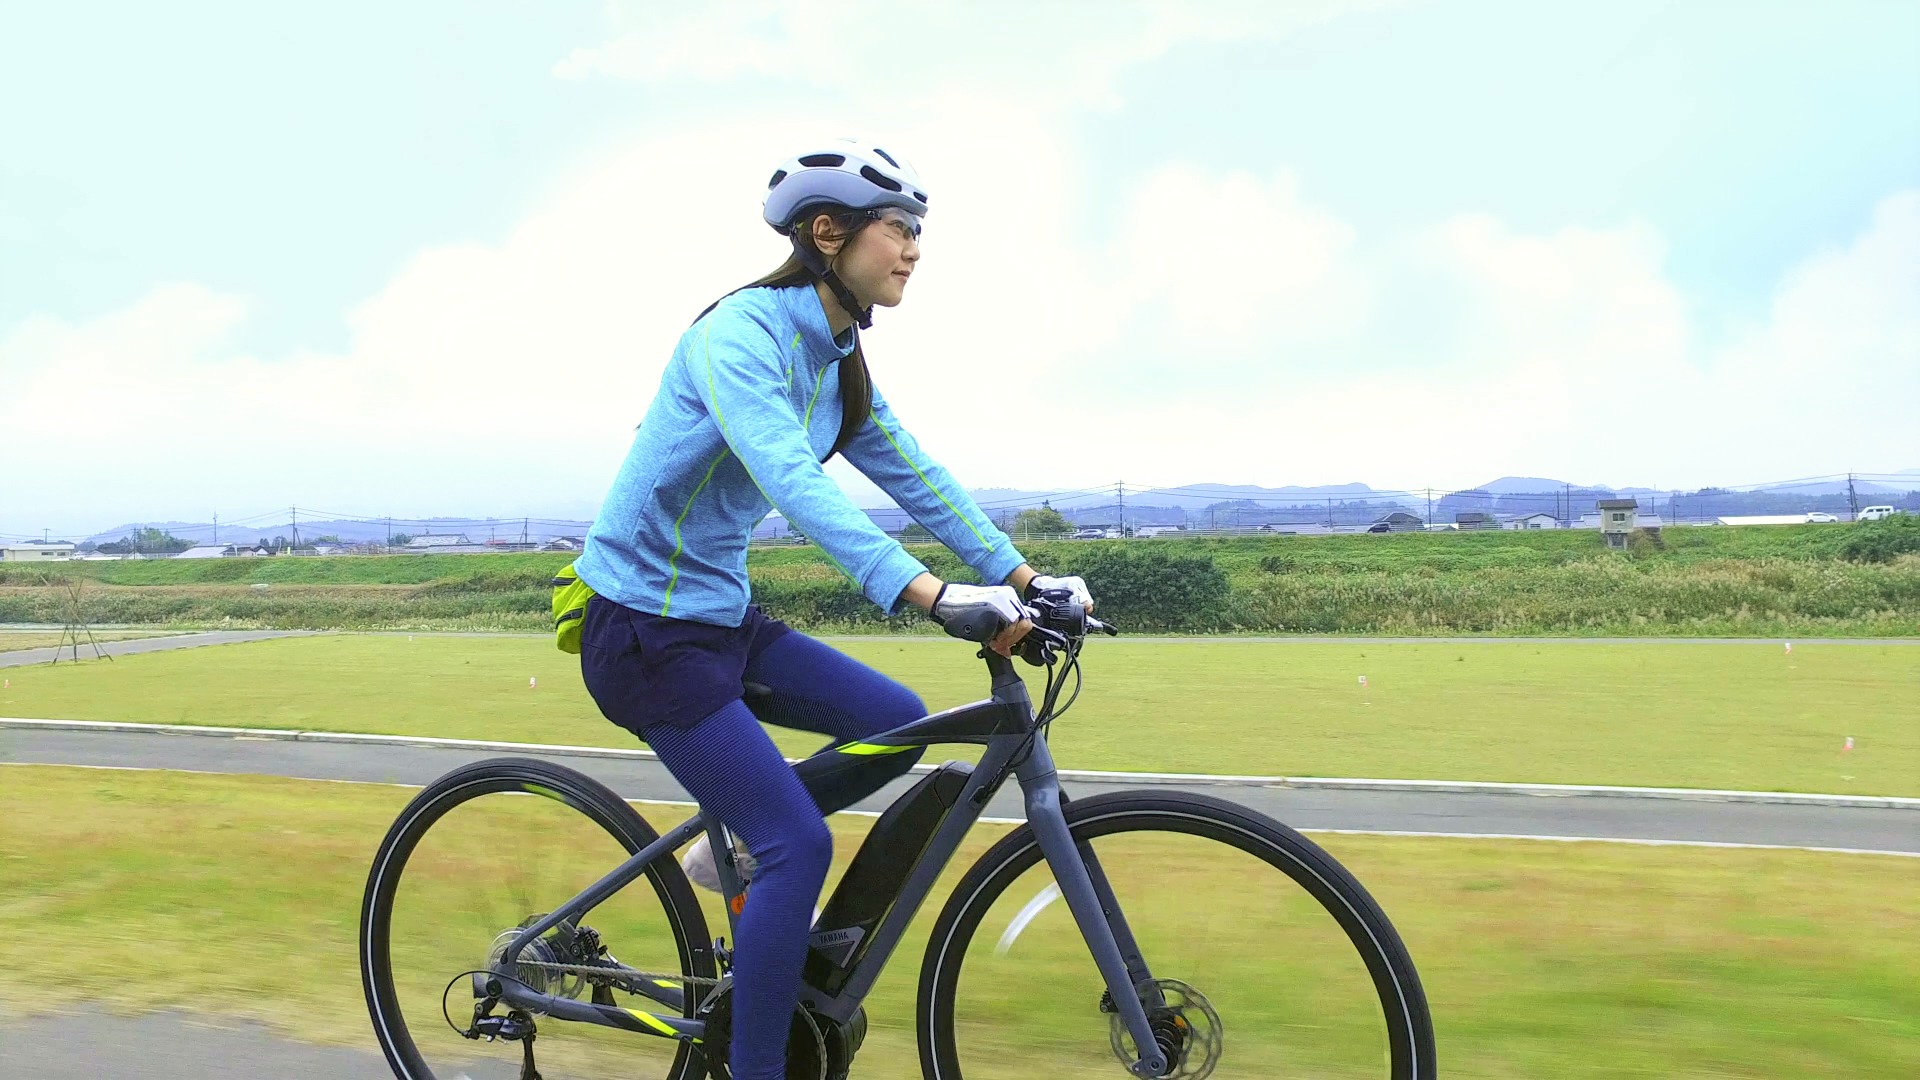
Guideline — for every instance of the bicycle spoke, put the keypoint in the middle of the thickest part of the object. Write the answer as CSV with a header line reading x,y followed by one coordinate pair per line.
x,y
1256,977
485,867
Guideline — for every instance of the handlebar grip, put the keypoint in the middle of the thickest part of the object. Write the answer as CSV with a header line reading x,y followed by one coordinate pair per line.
x,y
975,626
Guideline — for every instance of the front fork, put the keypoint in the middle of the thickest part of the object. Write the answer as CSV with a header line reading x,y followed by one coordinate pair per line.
x,y
1090,897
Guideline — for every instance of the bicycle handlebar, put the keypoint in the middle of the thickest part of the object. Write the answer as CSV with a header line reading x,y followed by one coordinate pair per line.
x,y
1058,620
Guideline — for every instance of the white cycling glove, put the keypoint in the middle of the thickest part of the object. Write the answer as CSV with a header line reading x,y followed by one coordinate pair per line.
x,y
970,602
1073,584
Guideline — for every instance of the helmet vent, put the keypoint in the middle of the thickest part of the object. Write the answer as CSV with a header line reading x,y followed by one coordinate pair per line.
x,y
777,177
879,178
921,196
823,161
887,156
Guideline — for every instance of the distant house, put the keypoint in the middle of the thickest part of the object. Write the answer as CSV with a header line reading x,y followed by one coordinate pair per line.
x,y
30,552
1617,519
1156,530
1763,519
1531,521
224,551
1476,519
1398,521
565,543
441,540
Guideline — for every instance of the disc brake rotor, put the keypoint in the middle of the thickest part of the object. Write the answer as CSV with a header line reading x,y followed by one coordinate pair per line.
x,y
1187,1030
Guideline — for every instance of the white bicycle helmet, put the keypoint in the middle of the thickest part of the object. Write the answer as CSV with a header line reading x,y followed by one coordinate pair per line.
x,y
843,172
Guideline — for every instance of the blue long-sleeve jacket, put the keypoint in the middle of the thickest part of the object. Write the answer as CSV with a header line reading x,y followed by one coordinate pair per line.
x,y
746,409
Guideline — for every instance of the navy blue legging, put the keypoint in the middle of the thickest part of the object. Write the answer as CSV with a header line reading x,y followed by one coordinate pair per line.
x,y
728,763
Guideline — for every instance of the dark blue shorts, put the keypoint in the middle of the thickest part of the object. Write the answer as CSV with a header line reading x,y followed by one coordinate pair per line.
x,y
646,669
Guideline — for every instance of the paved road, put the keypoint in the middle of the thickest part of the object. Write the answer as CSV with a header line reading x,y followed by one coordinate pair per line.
x,y
1668,820
23,657
169,1046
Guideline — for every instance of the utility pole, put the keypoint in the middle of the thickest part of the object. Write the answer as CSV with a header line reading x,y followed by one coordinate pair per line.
x,y
1120,492
389,530
216,526
1853,501
523,532
293,513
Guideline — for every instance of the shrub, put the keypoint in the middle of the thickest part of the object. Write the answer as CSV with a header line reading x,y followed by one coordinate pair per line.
x,y
1883,540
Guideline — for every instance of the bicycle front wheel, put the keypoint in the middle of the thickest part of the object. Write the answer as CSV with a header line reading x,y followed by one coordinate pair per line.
x,y
486,850
1254,973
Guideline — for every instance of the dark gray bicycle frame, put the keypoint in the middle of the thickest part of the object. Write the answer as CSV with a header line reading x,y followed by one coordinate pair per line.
x,y
1004,724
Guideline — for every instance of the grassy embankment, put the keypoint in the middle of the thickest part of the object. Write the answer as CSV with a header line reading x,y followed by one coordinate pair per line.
x,y
1571,961
1682,715
1758,581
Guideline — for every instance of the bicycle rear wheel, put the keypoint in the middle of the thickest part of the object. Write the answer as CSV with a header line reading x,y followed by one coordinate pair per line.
x,y
484,851
1257,973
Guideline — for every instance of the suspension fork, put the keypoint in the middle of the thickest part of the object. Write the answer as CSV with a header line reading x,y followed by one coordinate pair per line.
x,y
1117,921
1090,897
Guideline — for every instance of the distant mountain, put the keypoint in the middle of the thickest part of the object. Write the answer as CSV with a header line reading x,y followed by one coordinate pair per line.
x,y
1203,505
478,530
1839,487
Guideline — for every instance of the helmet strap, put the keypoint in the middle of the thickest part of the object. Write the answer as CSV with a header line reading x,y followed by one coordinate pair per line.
x,y
811,258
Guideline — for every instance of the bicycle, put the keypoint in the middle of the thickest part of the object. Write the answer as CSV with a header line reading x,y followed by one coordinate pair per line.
x,y
1290,995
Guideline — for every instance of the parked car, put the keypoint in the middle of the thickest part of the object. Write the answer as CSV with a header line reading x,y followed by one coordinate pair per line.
x,y
1875,513
1821,518
1379,527
1089,534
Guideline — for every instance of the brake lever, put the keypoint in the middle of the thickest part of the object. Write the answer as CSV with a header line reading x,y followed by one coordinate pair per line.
x,y
1036,648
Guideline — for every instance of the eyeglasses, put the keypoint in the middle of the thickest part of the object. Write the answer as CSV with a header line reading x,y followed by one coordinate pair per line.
x,y
905,226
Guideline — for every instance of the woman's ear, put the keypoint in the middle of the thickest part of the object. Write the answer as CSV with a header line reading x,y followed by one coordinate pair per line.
x,y
826,239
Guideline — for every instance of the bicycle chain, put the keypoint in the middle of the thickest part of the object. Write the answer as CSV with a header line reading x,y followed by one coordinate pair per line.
x,y
618,972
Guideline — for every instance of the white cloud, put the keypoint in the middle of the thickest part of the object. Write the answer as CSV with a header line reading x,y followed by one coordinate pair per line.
x,y
1064,53
503,377
1240,258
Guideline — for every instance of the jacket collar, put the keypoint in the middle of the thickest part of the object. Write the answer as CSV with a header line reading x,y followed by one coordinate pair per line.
x,y
802,304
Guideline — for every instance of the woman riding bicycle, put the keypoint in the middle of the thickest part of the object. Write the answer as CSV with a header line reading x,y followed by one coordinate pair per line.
x,y
763,388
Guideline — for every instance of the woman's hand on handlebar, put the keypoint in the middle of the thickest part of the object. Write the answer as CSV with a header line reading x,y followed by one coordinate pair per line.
x,y
1009,638
973,608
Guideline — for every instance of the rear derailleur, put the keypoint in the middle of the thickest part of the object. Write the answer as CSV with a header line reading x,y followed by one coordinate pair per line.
x,y
516,1026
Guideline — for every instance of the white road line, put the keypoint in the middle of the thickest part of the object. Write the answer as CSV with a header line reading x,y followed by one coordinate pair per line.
x,y
410,787
1640,841
1331,783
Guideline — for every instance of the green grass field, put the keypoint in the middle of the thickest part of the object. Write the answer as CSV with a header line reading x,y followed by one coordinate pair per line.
x,y
1656,714
135,891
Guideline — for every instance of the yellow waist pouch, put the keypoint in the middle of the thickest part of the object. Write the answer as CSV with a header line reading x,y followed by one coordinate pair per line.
x,y
570,596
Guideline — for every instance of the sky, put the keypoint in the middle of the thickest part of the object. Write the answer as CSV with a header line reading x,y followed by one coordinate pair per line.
x,y
432,258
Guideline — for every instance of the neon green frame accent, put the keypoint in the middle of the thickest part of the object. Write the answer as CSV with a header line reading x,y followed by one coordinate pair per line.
x,y
655,1023
872,749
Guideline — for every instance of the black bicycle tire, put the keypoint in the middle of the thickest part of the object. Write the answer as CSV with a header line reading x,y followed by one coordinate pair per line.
x,y
577,790
1403,1000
